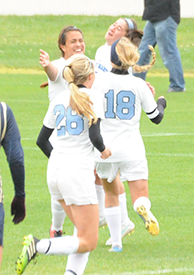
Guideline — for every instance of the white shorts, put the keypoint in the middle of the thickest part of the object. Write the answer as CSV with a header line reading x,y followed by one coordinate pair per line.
x,y
73,184
129,170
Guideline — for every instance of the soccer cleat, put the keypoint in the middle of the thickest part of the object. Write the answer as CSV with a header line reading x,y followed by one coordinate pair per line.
x,y
115,249
29,252
126,230
102,222
54,233
150,221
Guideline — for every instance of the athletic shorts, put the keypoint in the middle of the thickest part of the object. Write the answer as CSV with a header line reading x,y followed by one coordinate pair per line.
x,y
73,184
2,215
129,170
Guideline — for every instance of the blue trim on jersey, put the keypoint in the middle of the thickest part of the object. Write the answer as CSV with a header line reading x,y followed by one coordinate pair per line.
x,y
101,67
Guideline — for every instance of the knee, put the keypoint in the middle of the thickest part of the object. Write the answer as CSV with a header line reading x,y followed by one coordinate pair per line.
x,y
91,244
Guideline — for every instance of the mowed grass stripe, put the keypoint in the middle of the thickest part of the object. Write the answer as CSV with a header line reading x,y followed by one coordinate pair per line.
x,y
5,70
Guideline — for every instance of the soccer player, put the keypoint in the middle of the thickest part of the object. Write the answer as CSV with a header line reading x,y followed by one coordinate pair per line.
x,y
70,172
124,97
70,42
128,28
10,141
122,27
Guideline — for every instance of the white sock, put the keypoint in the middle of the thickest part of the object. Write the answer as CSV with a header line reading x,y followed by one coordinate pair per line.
x,y
75,231
58,215
58,246
113,217
124,213
101,200
147,204
77,263
142,201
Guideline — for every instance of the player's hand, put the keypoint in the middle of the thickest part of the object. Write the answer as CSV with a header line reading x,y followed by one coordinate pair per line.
x,y
106,153
18,209
151,88
44,59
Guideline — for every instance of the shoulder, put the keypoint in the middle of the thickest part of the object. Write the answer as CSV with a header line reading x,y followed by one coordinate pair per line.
x,y
6,111
102,49
58,62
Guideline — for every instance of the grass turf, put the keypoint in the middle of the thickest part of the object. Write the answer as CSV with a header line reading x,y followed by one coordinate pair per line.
x,y
169,148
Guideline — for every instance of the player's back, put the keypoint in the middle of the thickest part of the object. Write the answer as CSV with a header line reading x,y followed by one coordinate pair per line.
x,y
72,136
124,98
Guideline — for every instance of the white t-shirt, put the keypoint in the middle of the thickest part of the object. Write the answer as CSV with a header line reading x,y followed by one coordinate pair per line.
x,y
102,59
124,97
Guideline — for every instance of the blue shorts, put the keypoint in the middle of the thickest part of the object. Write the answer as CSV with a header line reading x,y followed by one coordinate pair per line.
x,y
2,215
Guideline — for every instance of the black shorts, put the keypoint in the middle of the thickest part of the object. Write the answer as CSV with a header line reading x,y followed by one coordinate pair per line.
x,y
2,215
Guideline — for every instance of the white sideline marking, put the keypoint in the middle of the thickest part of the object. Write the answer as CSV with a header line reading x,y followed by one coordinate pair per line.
x,y
167,134
170,155
148,135
150,272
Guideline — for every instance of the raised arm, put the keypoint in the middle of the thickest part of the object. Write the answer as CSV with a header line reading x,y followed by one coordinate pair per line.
x,y
48,67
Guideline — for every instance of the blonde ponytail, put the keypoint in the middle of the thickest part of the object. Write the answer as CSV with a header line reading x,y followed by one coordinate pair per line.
x,y
76,73
139,69
128,56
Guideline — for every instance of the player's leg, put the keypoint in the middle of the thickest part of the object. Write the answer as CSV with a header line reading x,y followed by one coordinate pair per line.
x,y
127,226
113,212
142,205
2,215
86,220
101,200
77,263
136,174
58,217
58,213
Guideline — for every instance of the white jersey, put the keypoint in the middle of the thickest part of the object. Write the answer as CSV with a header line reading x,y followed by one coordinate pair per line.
x,y
60,84
72,143
124,98
102,59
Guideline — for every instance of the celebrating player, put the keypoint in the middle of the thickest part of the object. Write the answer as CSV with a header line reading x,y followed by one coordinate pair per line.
x,y
70,42
124,97
70,173
128,28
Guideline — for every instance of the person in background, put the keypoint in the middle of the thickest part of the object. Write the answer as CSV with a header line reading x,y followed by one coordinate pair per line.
x,y
163,18
124,97
10,141
70,172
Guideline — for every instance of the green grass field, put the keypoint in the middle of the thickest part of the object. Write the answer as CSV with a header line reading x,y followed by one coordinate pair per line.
x,y
169,147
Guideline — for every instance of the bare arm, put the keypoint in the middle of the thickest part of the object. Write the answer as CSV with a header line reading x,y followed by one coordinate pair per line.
x,y
48,67
151,88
